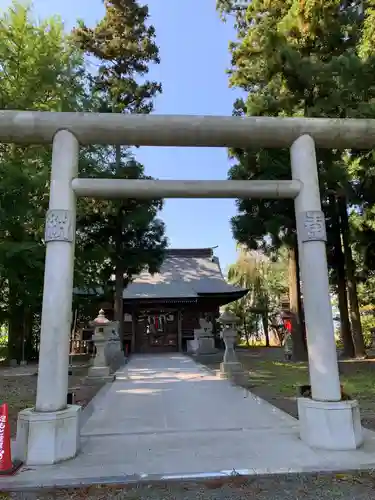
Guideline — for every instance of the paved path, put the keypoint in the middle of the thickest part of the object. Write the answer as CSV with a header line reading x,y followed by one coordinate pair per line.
x,y
166,415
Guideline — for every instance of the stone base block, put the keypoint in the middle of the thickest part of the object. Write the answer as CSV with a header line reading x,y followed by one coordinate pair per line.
x,y
46,438
231,368
212,357
114,355
99,371
91,379
206,345
330,425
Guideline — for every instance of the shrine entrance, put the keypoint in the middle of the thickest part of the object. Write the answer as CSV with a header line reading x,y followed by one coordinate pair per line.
x,y
68,132
156,332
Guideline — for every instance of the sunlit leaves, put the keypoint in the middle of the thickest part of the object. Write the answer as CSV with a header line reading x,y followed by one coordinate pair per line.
x,y
39,70
125,233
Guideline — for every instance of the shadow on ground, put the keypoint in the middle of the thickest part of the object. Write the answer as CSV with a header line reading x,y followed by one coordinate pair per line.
x,y
277,381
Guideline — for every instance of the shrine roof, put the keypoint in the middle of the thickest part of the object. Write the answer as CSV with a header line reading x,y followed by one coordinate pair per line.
x,y
185,273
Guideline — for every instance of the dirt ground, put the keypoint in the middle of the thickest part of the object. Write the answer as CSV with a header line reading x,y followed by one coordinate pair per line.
x,y
344,486
18,389
270,378
276,381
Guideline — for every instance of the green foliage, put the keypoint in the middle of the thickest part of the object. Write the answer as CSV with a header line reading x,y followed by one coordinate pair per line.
x,y
119,232
3,339
293,59
266,280
124,234
267,283
125,45
312,59
40,70
368,326
43,68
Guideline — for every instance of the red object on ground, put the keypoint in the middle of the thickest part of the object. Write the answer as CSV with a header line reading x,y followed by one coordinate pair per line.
x,y
7,467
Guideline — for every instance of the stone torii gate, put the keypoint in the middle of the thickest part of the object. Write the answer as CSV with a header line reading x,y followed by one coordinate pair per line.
x,y
49,432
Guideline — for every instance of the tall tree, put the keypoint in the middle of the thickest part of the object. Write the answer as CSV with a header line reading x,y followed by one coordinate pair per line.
x,y
266,281
338,277
120,235
124,43
39,70
358,340
361,235
293,59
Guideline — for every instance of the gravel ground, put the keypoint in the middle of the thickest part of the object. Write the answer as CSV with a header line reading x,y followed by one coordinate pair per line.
x,y
345,486
18,389
288,487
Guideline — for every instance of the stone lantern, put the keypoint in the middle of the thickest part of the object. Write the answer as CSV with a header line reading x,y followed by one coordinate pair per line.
x,y
102,333
230,364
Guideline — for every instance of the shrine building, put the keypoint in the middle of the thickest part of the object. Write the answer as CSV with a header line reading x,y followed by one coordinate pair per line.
x,y
162,311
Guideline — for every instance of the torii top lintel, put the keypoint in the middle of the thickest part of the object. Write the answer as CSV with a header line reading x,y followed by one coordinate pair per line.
x,y
29,127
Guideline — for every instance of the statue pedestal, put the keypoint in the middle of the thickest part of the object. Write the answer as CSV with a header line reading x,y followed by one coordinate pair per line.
x,y
105,335
230,367
114,355
99,371
204,344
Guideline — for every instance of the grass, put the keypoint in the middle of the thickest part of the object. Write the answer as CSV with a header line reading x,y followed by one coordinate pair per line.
x,y
283,378
276,381
3,352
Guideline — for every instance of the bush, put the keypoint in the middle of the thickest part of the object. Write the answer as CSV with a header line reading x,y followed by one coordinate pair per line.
x,y
3,352
368,325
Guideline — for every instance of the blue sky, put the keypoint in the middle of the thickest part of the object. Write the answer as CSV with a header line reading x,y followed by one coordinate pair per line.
x,y
194,56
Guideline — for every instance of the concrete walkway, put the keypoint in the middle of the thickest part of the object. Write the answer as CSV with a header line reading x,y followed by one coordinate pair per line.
x,y
166,416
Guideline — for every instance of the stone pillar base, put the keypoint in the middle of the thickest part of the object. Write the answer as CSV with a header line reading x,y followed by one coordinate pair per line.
x,y
103,372
46,438
231,368
101,380
213,357
330,425
207,352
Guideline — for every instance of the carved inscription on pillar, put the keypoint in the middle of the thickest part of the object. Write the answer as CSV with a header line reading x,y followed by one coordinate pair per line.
x,y
311,226
59,226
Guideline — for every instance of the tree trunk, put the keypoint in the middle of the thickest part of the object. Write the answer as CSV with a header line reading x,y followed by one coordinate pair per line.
x,y
345,329
265,328
27,329
359,345
301,311
247,337
15,325
341,285
299,344
276,337
30,350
